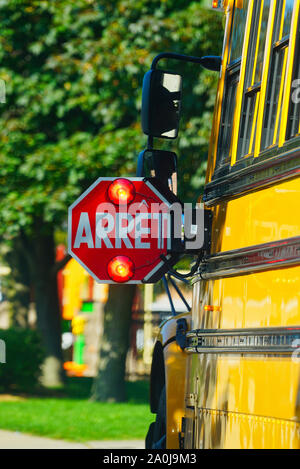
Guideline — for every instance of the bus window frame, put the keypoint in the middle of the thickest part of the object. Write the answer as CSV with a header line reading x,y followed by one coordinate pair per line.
x,y
221,173
220,164
270,137
253,91
280,46
232,77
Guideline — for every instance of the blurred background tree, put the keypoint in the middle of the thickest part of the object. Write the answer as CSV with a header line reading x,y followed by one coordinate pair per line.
x,y
73,71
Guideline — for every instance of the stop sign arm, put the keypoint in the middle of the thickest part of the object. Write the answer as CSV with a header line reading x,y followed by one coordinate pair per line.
x,y
99,235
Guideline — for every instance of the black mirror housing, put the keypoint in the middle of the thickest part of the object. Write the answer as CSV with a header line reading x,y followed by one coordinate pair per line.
x,y
161,100
160,164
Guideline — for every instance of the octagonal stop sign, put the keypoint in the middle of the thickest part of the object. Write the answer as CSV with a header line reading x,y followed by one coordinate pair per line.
x,y
119,228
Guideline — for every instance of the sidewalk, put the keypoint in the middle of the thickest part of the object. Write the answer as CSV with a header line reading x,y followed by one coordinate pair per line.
x,y
16,440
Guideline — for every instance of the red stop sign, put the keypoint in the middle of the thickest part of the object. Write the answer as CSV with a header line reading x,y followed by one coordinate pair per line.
x,y
118,229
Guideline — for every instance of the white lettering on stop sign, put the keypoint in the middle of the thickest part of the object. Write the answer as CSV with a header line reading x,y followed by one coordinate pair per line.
x,y
119,228
84,232
103,230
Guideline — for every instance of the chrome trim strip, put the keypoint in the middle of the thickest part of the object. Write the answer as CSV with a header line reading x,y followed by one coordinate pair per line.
x,y
251,259
264,340
258,175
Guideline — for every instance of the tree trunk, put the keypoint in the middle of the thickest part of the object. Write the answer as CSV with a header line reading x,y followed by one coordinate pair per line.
x,y
41,251
16,285
109,386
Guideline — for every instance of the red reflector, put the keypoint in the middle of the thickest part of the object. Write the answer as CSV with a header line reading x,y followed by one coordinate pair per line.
x,y
120,269
221,4
212,308
121,192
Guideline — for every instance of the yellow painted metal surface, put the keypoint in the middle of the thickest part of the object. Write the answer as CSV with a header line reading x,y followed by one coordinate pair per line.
x,y
253,401
241,431
253,385
244,400
267,215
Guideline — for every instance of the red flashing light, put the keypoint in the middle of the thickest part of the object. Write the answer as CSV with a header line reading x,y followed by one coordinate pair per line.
x,y
120,269
121,192
215,4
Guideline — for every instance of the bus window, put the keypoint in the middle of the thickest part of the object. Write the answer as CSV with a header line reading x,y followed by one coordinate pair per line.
x,y
288,13
256,56
238,32
253,77
279,53
231,81
293,127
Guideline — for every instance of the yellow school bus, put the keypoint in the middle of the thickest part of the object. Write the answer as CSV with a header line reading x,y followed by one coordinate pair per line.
x,y
233,378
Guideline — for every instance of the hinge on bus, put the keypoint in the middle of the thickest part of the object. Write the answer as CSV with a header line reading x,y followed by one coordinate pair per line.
x,y
181,434
181,329
197,219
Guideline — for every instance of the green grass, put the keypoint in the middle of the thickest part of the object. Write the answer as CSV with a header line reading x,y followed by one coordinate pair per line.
x,y
71,416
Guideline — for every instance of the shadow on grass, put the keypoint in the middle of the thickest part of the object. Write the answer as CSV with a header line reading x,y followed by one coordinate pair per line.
x,y
138,392
80,388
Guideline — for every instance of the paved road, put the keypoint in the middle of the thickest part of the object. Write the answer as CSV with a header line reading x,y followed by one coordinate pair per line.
x,y
16,440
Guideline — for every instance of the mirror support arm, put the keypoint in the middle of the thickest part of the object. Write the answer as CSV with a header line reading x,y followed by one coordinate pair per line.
x,y
211,62
150,143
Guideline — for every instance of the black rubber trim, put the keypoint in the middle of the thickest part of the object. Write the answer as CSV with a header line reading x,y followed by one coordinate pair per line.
x,y
169,341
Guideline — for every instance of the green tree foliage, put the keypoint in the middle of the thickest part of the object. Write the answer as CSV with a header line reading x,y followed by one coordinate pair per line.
x,y
21,346
73,71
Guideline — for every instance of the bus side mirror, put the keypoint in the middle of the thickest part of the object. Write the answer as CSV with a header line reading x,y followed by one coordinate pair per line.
x,y
161,101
